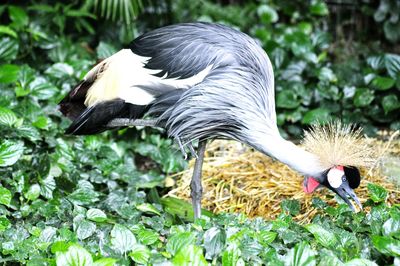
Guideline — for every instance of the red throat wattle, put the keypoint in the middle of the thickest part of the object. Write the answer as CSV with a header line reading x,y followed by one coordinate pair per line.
x,y
311,186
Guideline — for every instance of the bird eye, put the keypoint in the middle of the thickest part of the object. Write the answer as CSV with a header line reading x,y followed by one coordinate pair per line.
x,y
344,179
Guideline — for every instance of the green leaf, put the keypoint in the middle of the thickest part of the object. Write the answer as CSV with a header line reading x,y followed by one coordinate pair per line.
x,y
377,193
383,83
190,255
75,256
291,206
363,97
122,239
10,152
387,245
7,30
18,16
301,255
391,30
42,89
319,8
266,237
85,229
231,255
146,236
105,50
5,196
390,103
324,237
360,262
177,241
4,222
7,117
8,49
41,122
105,262
316,115
33,192
147,207
9,73
376,62
214,242
140,254
326,74
392,64
60,70
287,99
84,196
392,226
96,215
267,14
60,246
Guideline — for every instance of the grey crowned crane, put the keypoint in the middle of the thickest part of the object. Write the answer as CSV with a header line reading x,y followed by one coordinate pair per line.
x,y
203,81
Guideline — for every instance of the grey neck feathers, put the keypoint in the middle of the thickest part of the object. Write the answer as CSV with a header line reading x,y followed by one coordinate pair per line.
x,y
295,157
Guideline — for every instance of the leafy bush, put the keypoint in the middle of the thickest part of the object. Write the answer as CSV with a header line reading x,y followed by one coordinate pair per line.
x,y
95,200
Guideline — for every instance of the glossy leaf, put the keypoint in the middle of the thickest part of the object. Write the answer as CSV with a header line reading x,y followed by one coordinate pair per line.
x,y
179,241
383,83
316,115
377,193
390,103
5,196
74,256
188,256
363,97
96,215
323,236
387,245
10,152
214,242
140,254
8,73
7,117
301,255
122,239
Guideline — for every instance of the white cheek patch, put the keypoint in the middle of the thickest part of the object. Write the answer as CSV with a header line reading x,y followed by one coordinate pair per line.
x,y
335,177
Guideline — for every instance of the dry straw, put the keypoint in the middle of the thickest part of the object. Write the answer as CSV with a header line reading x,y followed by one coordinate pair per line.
x,y
239,179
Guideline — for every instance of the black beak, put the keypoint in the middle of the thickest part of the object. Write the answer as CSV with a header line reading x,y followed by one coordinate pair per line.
x,y
345,191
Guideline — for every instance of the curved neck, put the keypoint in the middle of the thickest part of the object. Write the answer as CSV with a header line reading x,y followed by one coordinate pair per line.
x,y
288,153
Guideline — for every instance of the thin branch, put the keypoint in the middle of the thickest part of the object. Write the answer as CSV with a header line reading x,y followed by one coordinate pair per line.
x,y
126,122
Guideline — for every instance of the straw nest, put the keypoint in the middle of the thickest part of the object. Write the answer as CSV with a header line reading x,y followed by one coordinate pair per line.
x,y
239,179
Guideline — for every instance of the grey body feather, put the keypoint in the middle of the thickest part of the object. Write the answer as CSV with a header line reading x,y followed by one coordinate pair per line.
x,y
236,95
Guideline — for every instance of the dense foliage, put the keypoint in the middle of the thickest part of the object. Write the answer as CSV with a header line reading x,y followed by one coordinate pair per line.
x,y
96,199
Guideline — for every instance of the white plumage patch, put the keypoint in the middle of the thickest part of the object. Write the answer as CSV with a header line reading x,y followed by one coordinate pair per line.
x,y
335,177
124,76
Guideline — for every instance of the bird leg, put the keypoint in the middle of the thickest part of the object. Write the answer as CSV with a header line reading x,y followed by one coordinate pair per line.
x,y
195,185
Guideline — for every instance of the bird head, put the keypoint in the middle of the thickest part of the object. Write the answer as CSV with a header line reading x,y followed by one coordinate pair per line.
x,y
341,149
340,179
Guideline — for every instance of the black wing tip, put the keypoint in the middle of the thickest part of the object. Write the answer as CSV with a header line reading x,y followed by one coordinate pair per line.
x,y
94,120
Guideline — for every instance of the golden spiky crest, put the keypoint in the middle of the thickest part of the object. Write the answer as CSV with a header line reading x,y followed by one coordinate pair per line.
x,y
337,144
